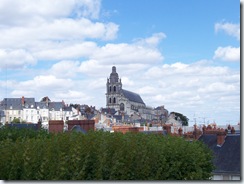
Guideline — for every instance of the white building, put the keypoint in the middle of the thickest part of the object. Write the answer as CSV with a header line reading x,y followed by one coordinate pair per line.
x,y
27,110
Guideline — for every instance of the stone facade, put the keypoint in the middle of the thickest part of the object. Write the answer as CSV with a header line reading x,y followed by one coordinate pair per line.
x,y
121,100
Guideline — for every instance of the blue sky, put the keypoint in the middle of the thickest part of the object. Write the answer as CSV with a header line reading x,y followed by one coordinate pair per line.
x,y
182,54
185,23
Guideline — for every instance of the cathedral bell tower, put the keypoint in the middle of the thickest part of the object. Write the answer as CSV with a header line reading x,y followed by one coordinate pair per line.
x,y
114,87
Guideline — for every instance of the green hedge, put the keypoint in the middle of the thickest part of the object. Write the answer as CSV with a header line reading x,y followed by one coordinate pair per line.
x,y
104,156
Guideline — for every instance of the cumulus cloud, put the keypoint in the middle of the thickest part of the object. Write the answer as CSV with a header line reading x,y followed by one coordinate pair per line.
x,y
126,53
15,12
191,85
65,69
52,30
78,29
67,51
152,41
229,28
14,59
227,53
72,96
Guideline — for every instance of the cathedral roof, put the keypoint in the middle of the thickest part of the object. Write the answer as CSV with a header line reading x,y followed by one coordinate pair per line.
x,y
134,97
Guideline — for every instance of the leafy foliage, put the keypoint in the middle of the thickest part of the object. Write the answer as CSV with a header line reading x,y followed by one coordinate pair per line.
x,y
184,119
103,156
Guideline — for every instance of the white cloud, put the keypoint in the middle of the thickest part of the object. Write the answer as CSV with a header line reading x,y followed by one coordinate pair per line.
x,y
15,12
217,87
227,53
52,30
65,69
67,51
56,30
229,28
72,96
46,83
152,41
13,59
125,54
127,82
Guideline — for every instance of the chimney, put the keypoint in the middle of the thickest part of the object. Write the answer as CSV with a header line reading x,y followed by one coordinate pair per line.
x,y
232,130
180,131
46,98
220,138
23,100
78,110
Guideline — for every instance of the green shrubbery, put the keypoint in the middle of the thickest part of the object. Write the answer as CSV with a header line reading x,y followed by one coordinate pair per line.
x,y
103,156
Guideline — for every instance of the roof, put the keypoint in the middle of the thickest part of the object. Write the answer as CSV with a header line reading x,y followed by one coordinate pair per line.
x,y
16,103
55,105
111,111
119,117
134,97
226,157
24,125
77,128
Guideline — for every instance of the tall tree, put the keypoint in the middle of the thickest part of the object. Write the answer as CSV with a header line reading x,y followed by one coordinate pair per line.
x,y
178,116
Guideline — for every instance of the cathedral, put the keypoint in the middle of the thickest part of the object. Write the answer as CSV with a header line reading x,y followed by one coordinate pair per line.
x,y
123,101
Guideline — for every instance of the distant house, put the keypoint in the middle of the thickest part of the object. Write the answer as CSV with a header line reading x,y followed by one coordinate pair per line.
x,y
2,116
30,111
226,149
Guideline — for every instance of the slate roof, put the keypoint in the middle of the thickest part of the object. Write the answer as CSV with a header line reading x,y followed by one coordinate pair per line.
x,y
119,117
134,97
55,105
111,111
227,157
2,113
77,128
41,105
16,103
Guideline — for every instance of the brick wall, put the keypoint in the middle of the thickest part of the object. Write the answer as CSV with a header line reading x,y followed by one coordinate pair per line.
x,y
84,124
125,129
55,126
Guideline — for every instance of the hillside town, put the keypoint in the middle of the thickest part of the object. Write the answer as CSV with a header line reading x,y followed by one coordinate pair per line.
x,y
125,111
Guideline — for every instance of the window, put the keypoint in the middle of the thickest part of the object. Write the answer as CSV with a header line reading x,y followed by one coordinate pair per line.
x,y
110,101
114,88
226,177
19,112
110,88
122,107
114,100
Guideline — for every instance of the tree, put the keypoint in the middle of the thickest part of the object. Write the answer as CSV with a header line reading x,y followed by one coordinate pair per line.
x,y
178,116
100,155
16,120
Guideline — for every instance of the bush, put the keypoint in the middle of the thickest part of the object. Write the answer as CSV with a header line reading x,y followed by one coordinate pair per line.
x,y
104,156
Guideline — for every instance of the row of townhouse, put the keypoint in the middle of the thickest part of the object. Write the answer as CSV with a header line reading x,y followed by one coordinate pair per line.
x,y
30,111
